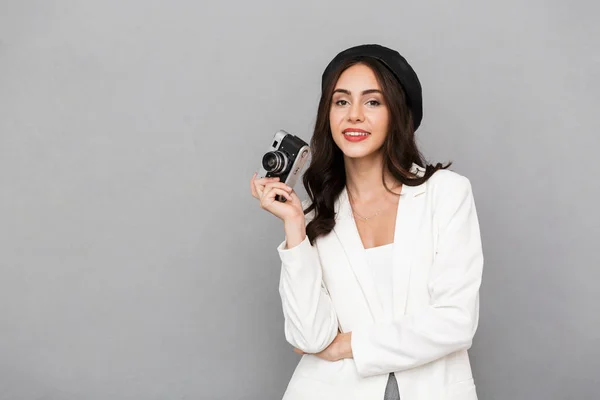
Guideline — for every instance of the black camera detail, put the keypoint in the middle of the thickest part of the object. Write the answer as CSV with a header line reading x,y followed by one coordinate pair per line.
x,y
279,162
284,159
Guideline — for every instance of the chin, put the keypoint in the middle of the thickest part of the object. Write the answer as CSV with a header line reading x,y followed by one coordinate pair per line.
x,y
356,152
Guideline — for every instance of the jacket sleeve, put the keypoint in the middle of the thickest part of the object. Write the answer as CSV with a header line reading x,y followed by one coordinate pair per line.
x,y
448,323
310,320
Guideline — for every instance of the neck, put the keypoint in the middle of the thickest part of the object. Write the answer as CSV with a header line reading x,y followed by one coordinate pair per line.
x,y
363,177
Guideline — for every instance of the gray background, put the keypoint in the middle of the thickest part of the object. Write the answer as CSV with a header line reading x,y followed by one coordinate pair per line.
x,y
136,265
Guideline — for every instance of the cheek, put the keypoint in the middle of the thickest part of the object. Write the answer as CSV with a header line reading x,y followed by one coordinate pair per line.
x,y
381,120
334,114
334,120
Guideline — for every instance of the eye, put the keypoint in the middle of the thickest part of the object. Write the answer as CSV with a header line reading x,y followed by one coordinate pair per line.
x,y
341,101
373,103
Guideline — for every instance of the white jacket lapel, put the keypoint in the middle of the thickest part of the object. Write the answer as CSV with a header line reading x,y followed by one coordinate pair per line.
x,y
347,233
408,220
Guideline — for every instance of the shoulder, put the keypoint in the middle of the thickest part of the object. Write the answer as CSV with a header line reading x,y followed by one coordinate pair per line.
x,y
449,189
446,182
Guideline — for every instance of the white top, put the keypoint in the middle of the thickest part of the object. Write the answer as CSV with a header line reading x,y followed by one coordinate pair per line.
x,y
380,263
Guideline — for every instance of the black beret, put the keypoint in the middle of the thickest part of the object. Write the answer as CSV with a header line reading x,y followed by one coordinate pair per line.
x,y
397,64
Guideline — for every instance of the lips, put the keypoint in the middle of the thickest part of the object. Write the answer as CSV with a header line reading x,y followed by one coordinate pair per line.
x,y
355,134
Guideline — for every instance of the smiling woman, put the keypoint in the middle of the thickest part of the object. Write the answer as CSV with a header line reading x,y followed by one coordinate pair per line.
x,y
381,266
374,91
358,116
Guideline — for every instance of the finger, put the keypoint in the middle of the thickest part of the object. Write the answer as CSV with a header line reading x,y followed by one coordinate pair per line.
x,y
259,184
279,185
269,195
271,186
270,198
294,195
296,202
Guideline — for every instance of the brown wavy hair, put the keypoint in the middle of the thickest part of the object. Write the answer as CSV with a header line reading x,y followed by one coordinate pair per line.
x,y
325,177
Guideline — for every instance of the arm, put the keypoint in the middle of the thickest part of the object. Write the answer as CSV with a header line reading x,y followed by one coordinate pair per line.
x,y
448,323
310,320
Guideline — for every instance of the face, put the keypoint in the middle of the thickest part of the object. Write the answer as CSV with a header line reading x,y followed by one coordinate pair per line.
x,y
358,116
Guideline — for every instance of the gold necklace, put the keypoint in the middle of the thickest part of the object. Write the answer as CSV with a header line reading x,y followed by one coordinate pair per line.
x,y
366,219
360,217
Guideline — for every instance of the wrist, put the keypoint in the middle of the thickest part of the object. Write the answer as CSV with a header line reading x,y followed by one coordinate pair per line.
x,y
345,346
295,221
349,353
295,231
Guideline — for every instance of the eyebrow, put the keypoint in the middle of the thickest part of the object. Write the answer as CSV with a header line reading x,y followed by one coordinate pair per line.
x,y
363,92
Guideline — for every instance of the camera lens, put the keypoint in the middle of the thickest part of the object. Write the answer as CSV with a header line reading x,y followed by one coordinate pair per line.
x,y
274,162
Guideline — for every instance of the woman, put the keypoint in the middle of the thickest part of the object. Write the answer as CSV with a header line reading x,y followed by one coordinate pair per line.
x,y
380,279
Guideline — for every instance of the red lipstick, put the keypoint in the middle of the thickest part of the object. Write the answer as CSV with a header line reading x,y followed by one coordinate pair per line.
x,y
355,134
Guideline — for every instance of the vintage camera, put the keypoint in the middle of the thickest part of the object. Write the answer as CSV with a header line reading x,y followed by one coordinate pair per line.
x,y
285,159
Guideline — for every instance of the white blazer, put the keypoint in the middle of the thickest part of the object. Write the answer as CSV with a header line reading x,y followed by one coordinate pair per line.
x,y
437,270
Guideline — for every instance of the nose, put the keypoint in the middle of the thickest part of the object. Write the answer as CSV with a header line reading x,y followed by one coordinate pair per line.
x,y
355,112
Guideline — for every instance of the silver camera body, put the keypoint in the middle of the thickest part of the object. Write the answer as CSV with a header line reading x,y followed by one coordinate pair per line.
x,y
285,159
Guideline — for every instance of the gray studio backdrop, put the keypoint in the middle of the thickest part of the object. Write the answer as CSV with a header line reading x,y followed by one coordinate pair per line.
x,y
135,265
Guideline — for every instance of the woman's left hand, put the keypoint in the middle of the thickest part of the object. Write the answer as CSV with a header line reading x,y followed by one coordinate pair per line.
x,y
338,349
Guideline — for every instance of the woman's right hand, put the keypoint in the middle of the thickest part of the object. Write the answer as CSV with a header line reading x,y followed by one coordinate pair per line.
x,y
265,190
